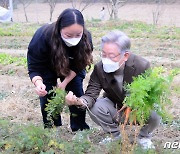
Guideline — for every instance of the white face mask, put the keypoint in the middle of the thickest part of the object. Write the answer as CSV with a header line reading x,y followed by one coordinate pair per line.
x,y
72,41
110,66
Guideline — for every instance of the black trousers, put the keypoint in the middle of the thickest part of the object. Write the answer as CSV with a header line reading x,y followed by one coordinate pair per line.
x,y
77,116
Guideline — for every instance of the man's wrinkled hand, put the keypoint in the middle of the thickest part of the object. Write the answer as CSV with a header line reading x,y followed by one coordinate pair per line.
x,y
71,99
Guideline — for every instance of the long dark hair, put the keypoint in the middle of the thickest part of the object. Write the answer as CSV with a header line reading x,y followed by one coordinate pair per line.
x,y
83,50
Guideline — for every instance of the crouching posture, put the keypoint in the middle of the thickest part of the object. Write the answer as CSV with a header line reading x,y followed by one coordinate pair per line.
x,y
118,66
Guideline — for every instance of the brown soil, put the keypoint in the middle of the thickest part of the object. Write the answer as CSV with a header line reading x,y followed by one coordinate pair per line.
x,y
19,103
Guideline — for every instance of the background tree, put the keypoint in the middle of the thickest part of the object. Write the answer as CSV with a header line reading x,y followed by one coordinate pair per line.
x,y
157,12
15,2
82,4
115,5
4,3
25,4
52,4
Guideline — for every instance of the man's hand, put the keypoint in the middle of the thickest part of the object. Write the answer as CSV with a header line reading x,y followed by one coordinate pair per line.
x,y
71,99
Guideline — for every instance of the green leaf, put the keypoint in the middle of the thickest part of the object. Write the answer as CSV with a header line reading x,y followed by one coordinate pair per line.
x,y
56,103
148,92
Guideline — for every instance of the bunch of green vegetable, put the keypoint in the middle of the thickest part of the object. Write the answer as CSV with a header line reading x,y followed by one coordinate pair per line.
x,y
7,59
56,103
149,92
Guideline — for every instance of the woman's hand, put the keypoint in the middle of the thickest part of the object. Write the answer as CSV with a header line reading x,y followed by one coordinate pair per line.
x,y
62,85
40,88
71,99
65,82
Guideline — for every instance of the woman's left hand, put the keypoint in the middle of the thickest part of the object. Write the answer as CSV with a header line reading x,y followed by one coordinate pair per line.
x,y
62,85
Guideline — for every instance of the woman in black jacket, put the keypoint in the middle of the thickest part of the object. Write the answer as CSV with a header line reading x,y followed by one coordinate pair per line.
x,y
61,50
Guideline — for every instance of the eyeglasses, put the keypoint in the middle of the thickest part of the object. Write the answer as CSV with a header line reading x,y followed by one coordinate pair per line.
x,y
110,56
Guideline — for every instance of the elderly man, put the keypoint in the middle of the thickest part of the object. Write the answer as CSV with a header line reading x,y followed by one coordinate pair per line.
x,y
118,66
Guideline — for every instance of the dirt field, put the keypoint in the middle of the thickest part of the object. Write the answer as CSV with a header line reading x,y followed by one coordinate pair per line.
x,y
20,104
169,14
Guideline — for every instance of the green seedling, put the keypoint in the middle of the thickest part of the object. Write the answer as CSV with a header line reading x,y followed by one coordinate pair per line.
x,y
56,103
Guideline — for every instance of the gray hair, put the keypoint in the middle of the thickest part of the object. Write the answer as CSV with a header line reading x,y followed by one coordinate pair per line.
x,y
119,38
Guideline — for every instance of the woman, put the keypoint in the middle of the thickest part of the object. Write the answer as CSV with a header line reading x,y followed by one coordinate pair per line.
x,y
61,50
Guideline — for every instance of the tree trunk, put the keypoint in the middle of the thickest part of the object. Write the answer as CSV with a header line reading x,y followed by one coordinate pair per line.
x,y
52,4
115,12
111,14
51,12
15,4
24,8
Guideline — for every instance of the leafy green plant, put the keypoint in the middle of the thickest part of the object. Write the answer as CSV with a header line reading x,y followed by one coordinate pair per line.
x,y
18,29
149,91
80,143
56,103
7,59
32,139
23,139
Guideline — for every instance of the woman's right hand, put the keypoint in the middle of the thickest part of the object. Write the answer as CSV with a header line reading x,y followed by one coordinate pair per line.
x,y
40,88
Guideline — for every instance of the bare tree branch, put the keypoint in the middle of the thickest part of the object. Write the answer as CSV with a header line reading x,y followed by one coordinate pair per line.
x,y
25,4
122,3
52,4
157,12
5,3
82,4
115,5
73,4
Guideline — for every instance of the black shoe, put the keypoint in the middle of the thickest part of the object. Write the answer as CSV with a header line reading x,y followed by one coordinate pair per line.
x,y
84,126
81,127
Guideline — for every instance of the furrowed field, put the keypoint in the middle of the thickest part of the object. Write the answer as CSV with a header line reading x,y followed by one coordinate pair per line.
x,y
21,129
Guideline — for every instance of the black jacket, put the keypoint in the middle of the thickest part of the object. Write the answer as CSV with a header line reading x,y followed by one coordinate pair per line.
x,y
39,54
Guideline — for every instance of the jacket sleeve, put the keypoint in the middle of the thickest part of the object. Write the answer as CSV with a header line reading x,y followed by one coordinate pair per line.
x,y
37,55
93,89
141,66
